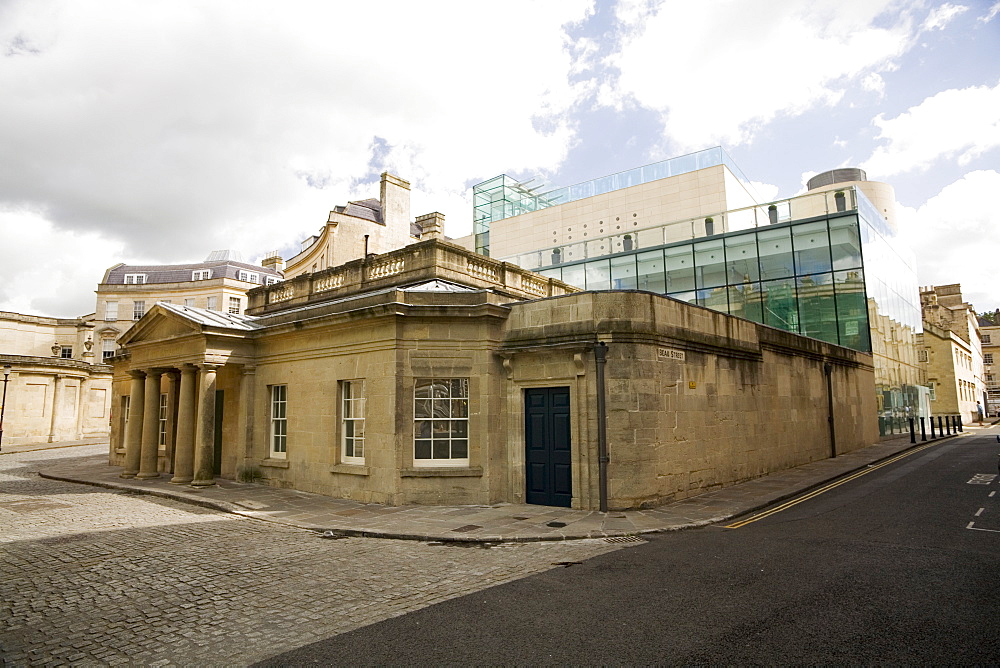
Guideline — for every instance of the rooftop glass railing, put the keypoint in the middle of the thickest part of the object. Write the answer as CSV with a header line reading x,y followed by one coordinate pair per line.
x,y
503,197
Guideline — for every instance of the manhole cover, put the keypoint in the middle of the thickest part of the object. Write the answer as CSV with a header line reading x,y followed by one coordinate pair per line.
x,y
624,539
556,524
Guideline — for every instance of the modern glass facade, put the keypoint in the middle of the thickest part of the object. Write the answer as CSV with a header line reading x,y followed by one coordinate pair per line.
x,y
503,197
841,277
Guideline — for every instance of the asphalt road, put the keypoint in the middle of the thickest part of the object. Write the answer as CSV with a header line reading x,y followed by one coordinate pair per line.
x,y
900,565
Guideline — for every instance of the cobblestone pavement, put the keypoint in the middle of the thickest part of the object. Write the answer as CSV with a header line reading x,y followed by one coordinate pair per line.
x,y
90,576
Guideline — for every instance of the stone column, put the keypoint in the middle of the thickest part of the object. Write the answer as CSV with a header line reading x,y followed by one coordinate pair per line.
x,y
56,398
204,441
133,426
246,415
184,459
82,406
150,426
170,442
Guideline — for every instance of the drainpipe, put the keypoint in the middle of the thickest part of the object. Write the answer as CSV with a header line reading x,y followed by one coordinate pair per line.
x,y
828,370
600,356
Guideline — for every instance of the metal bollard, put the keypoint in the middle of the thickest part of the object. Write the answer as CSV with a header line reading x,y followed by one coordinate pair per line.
x,y
947,424
923,431
958,421
913,434
933,435
940,426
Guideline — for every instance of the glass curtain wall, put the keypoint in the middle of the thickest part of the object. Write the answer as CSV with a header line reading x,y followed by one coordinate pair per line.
x,y
841,279
806,278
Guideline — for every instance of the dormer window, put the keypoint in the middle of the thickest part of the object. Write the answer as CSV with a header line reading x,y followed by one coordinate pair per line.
x,y
135,279
248,276
271,280
201,275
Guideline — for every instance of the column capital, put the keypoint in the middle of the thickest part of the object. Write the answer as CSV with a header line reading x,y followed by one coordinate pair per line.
x,y
209,366
137,374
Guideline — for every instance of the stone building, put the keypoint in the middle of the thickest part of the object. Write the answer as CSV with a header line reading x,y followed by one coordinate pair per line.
x,y
952,352
360,228
127,292
990,338
432,374
57,389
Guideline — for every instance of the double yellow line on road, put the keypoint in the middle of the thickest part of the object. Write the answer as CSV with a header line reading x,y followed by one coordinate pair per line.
x,y
827,488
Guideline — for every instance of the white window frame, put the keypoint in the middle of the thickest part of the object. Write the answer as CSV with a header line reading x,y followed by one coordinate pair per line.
x,y
201,274
987,358
235,304
271,280
440,422
921,355
138,309
213,303
108,348
110,311
352,421
135,279
248,276
278,438
66,352
189,302
986,338
161,422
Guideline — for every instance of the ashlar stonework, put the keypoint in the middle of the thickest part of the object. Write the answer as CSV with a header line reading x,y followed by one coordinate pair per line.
x,y
403,377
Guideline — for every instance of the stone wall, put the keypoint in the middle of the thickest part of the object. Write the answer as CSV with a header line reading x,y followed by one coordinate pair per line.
x,y
695,399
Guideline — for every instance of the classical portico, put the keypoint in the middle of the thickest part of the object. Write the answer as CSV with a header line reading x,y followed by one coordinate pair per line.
x,y
169,423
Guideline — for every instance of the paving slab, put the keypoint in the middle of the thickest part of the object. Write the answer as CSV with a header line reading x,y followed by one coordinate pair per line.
x,y
503,522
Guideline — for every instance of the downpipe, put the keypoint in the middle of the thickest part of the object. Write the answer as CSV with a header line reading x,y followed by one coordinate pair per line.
x,y
828,370
600,358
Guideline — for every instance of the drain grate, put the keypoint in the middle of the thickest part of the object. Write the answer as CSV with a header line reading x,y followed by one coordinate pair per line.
x,y
624,539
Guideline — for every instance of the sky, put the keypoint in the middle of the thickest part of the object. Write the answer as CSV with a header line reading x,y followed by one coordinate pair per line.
x,y
156,132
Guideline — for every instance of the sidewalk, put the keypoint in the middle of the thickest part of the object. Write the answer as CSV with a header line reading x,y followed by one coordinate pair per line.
x,y
485,524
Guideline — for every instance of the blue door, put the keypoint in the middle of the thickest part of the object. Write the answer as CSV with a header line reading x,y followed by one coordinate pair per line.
x,y
547,447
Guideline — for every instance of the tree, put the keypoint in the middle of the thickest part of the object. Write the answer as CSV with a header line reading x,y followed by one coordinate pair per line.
x,y
993,317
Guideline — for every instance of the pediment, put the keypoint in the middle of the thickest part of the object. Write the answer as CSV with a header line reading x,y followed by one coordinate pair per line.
x,y
160,324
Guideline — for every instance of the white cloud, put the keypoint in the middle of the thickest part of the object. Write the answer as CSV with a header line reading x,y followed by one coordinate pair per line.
x,y
940,17
991,13
50,271
874,82
957,124
180,127
767,192
719,70
954,237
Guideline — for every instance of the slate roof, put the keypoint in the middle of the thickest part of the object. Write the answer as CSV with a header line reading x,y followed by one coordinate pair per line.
x,y
367,209
438,285
180,273
208,318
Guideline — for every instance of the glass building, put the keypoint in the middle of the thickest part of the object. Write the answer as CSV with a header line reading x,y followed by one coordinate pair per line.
x,y
834,271
504,197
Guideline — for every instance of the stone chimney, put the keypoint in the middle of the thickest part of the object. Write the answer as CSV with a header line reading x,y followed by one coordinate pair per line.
x,y
273,262
431,226
394,194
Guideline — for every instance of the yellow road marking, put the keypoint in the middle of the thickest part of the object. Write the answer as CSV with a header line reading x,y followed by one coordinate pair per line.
x,y
827,488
